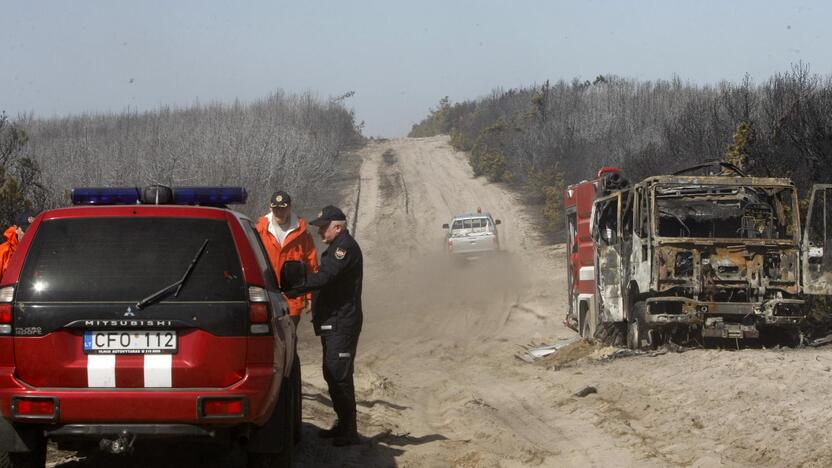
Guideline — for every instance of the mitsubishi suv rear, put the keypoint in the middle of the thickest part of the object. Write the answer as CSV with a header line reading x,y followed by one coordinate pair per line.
x,y
145,313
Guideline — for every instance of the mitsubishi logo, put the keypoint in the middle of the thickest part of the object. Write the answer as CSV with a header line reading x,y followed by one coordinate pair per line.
x,y
129,312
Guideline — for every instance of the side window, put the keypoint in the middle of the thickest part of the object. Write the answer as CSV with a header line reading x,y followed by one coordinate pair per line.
x,y
457,224
820,227
270,276
644,213
638,195
626,214
479,224
607,220
572,227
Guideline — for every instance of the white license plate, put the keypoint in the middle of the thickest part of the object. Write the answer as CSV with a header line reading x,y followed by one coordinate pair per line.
x,y
130,342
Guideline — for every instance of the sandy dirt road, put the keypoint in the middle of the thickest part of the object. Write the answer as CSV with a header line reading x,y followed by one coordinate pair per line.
x,y
438,384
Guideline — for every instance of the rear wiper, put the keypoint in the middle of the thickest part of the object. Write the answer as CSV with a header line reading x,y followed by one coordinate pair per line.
x,y
158,295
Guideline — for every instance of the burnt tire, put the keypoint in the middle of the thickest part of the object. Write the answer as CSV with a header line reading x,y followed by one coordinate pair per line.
x,y
611,333
655,338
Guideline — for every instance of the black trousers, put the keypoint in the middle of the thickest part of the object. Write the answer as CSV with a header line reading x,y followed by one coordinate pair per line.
x,y
338,367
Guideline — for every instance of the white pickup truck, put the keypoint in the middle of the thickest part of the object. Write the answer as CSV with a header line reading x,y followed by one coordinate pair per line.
x,y
472,235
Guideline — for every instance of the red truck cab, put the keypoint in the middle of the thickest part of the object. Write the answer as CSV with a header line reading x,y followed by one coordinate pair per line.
x,y
580,252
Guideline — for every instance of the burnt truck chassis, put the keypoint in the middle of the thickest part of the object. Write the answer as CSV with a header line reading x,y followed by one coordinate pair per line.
x,y
710,317
718,256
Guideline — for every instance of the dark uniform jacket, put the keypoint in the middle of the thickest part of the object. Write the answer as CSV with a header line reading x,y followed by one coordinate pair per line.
x,y
336,288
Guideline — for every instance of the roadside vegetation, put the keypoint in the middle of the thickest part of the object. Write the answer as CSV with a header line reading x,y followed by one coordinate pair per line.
x,y
287,141
541,138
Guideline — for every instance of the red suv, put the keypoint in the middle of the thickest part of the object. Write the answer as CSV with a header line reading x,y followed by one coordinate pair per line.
x,y
145,313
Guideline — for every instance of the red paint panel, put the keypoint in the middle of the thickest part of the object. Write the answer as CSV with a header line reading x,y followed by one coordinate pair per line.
x,y
6,351
581,196
260,350
130,371
203,360
259,386
54,360
206,360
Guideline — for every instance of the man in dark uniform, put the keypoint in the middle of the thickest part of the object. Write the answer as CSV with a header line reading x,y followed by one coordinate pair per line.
x,y
337,317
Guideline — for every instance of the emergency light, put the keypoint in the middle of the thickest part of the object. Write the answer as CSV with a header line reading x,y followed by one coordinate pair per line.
x,y
158,195
106,196
209,195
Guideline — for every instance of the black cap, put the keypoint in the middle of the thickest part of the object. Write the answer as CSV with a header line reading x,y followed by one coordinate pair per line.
x,y
280,199
327,214
24,219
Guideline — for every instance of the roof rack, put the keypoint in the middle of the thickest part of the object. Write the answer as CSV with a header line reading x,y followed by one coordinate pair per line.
x,y
722,164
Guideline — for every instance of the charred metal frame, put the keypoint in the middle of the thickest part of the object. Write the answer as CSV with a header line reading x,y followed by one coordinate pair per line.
x,y
727,286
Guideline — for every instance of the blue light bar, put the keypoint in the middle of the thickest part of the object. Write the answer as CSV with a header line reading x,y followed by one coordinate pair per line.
x,y
105,196
209,195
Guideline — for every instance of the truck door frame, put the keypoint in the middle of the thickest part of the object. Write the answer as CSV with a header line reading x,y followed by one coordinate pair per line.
x,y
610,277
816,260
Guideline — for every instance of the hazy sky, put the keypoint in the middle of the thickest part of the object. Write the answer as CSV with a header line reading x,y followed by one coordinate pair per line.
x,y
400,58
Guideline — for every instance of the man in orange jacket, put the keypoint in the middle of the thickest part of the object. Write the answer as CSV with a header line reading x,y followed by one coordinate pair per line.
x,y
285,237
13,236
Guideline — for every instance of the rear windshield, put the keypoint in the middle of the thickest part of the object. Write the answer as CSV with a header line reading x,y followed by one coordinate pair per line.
x,y
127,259
470,225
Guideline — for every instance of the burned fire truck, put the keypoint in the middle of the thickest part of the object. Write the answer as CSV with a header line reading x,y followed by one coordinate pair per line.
x,y
686,256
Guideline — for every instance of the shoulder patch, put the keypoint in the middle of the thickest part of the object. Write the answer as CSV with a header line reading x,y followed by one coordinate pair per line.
x,y
340,253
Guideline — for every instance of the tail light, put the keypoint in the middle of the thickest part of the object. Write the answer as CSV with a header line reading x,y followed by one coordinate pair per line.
x,y
6,297
41,408
258,310
223,407
450,245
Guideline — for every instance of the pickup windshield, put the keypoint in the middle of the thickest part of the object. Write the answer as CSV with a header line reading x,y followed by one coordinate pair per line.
x,y
728,212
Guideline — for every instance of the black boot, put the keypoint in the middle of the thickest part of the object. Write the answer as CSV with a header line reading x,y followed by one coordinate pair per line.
x,y
347,436
332,432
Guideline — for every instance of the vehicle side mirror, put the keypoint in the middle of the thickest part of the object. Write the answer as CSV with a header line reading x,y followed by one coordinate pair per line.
x,y
497,221
292,275
445,226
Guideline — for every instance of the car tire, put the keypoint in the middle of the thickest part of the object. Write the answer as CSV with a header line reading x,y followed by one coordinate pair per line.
x,y
298,399
287,406
270,460
35,459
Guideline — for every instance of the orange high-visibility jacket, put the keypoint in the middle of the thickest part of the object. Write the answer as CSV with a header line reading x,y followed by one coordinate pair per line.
x,y
298,245
7,248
